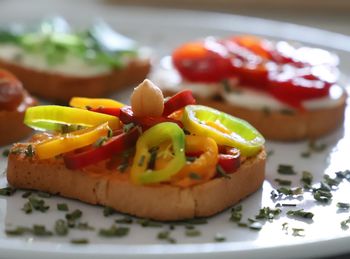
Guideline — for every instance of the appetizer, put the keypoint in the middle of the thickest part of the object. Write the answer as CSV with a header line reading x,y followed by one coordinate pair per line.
x,y
57,63
14,101
286,91
163,159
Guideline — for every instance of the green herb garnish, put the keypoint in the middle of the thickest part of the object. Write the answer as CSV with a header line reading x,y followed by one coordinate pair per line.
x,y
100,141
287,112
299,232
286,169
29,152
62,207
194,176
125,220
6,153
27,208
307,178
222,172
345,223
219,238
18,231
283,181
322,196
7,191
61,227
107,211
38,204
44,195
114,231
343,205
153,157
300,213
192,233
40,230
236,214
128,127
84,226
268,213
165,235
26,194
141,161
149,223
80,241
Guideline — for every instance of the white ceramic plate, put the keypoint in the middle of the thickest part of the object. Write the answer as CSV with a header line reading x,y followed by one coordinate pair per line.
x,y
163,30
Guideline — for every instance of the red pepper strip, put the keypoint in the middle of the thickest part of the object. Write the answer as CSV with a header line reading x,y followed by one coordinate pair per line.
x,y
115,145
107,110
127,116
178,101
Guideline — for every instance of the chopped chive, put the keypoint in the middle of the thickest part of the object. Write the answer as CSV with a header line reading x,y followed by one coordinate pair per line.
x,y
27,208
7,191
236,214
343,175
268,213
26,194
285,226
18,231
283,181
300,213
191,158
84,226
197,221
298,232
149,223
219,238
114,231
322,196
15,151
100,141
194,176
317,147
29,152
125,220
128,127
222,172
345,223
286,169
40,230
165,235
306,178
331,181
153,157
192,233
38,204
141,161
44,195
76,214
242,224
80,241
305,154
62,207
343,205
6,153
107,211
61,227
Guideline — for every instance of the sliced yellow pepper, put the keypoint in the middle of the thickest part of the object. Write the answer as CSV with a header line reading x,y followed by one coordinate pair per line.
x,y
70,141
83,103
52,117
204,167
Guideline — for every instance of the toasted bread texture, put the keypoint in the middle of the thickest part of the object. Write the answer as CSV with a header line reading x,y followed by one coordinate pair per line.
x,y
61,88
11,122
284,125
98,185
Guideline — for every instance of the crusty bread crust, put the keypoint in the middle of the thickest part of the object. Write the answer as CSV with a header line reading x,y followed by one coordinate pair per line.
x,y
62,88
11,122
97,185
284,125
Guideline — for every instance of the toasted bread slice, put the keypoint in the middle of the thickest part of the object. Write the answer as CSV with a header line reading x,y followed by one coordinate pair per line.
x,y
11,122
61,88
284,125
98,185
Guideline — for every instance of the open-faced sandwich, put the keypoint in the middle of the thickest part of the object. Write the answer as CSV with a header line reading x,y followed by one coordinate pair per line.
x,y
14,101
164,159
57,63
288,92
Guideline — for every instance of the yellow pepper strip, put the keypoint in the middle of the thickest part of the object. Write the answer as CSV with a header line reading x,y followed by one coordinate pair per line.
x,y
70,141
52,117
204,167
83,103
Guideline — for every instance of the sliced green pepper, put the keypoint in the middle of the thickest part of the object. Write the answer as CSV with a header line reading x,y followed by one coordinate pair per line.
x,y
223,128
153,137
54,118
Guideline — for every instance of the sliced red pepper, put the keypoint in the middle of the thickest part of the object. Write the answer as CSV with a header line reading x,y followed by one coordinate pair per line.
x,y
230,161
113,146
178,101
126,115
107,110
